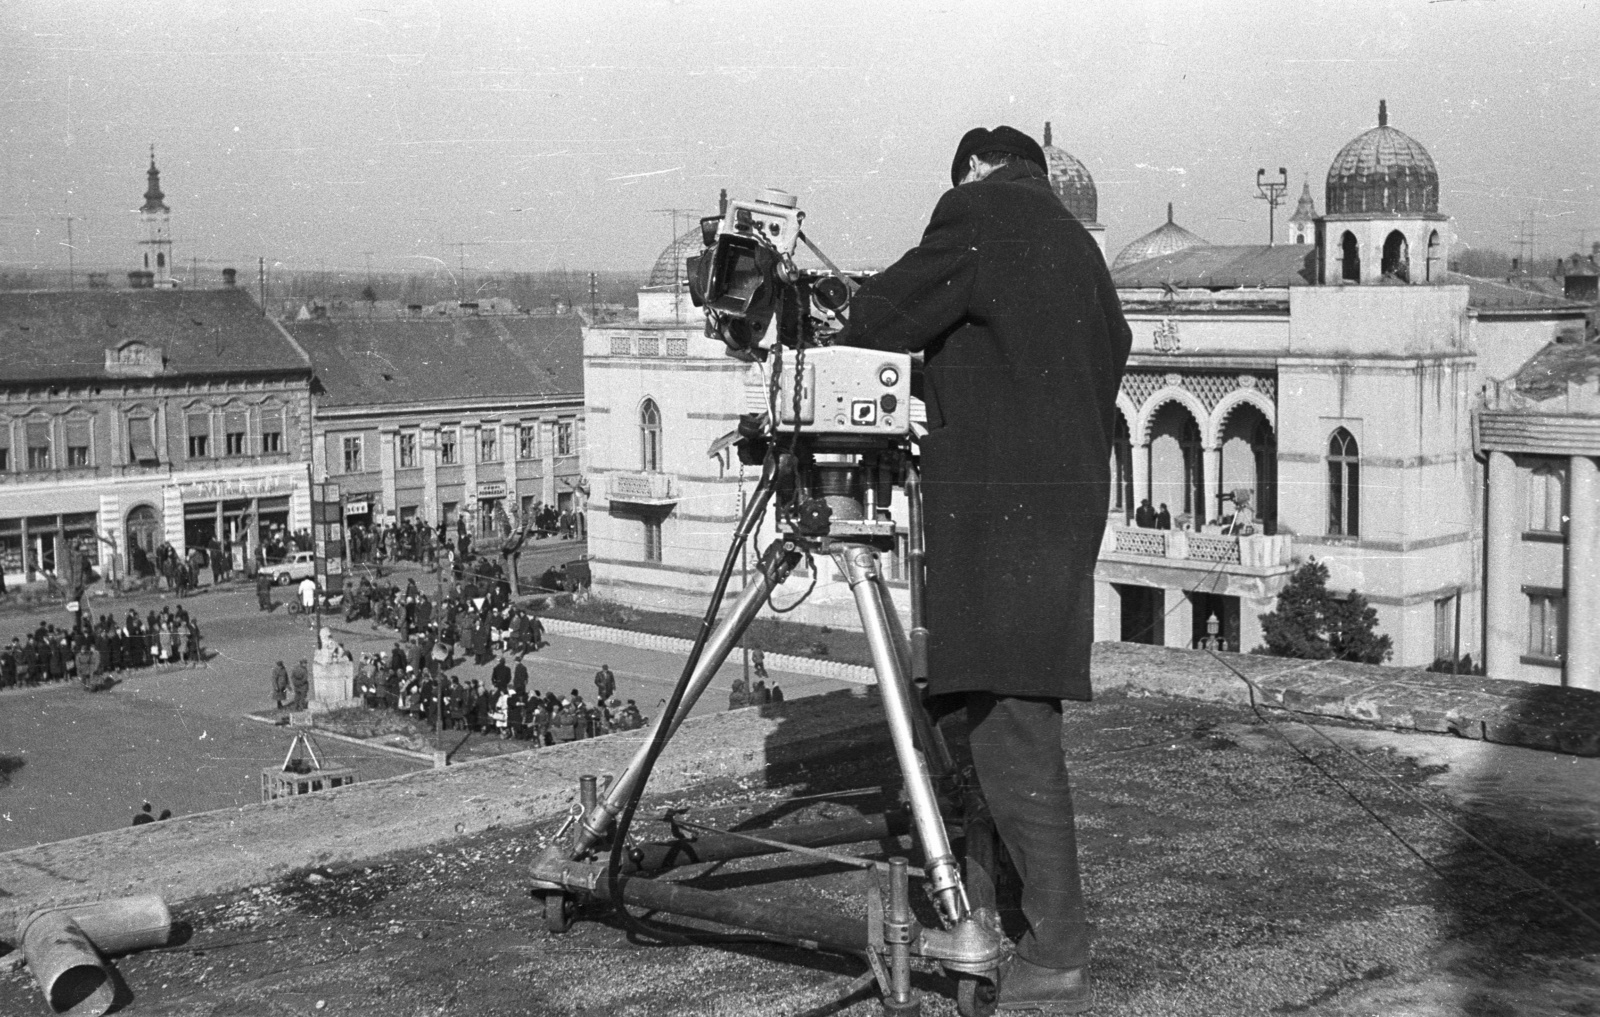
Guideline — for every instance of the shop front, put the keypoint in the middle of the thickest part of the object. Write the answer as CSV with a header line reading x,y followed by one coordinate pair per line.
x,y
247,515
61,547
491,519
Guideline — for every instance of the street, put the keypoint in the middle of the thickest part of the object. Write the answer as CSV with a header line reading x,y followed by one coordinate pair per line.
x,y
74,762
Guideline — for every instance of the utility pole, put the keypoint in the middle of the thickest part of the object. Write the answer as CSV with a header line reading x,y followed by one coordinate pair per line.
x,y
461,258
261,282
1272,192
1527,243
72,271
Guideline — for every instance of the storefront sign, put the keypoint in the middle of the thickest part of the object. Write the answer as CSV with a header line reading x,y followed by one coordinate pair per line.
x,y
237,487
491,488
357,508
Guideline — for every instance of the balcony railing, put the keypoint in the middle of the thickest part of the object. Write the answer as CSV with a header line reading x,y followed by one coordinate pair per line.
x,y
643,488
1212,549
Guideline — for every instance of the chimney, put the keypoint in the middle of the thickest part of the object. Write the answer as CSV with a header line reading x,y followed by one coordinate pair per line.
x,y
230,277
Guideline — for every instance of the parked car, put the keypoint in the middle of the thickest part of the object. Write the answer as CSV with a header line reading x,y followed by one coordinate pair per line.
x,y
292,569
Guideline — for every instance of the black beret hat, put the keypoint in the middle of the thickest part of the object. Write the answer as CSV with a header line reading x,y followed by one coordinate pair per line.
x,y
1001,139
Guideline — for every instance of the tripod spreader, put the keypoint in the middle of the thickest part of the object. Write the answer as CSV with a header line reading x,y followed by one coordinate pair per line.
x,y
776,563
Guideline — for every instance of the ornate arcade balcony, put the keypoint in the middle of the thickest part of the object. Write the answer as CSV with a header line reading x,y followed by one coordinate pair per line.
x,y
1251,566
642,488
1205,549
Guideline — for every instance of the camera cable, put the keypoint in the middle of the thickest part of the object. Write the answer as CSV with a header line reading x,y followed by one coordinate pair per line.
x,y
614,876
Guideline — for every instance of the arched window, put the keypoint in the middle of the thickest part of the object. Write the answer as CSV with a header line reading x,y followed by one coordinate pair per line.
x,y
650,437
1194,481
1344,485
1397,257
1433,256
1122,469
1350,252
1547,500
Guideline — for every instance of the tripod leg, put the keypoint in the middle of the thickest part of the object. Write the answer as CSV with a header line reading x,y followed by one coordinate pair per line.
x,y
929,737
776,564
861,569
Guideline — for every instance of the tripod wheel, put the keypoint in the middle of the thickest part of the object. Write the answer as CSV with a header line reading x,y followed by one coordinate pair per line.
x,y
975,997
558,912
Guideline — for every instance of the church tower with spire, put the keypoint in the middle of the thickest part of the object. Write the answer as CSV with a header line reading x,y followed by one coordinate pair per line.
x,y
156,243
1303,224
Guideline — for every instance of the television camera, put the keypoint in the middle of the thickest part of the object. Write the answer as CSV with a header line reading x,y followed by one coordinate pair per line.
x,y
838,418
834,442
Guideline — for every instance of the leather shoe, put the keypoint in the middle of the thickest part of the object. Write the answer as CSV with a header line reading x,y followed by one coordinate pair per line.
x,y
1029,987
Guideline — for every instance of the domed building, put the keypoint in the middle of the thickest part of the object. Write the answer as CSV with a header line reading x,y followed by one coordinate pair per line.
x,y
1383,223
665,295
1075,187
669,269
1168,238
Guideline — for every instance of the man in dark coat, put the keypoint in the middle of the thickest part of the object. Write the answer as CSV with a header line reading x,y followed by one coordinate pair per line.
x,y
1010,300
300,682
264,591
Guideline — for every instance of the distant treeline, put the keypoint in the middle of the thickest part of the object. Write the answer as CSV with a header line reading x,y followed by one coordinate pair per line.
x,y
533,290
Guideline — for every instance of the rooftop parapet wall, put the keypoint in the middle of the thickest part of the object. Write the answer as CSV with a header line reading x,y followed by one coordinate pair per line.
x,y
1377,321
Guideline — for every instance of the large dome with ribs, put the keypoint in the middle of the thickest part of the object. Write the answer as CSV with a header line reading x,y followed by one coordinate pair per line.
x,y
1168,238
1383,171
1072,182
669,269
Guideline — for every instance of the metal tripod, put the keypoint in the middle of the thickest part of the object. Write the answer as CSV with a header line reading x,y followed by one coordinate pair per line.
x,y
968,942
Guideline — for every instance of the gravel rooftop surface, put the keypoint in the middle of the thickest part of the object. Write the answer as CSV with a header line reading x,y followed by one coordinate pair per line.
x,y
1226,873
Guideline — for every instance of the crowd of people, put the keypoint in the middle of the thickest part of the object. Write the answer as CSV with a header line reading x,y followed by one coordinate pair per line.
x,y
92,651
470,617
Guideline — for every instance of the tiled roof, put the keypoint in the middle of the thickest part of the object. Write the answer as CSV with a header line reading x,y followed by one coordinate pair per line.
x,y
1547,372
1496,295
1222,267
362,362
64,335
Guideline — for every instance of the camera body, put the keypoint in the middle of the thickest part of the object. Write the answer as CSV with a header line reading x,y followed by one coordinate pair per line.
x,y
850,398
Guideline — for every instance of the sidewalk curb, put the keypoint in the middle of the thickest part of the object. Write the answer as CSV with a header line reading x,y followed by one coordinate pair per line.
x,y
230,849
855,674
365,743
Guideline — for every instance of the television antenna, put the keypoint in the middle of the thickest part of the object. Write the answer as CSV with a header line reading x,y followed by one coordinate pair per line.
x,y
72,275
672,242
1272,192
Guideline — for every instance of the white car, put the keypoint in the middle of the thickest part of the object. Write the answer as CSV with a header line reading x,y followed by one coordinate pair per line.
x,y
298,565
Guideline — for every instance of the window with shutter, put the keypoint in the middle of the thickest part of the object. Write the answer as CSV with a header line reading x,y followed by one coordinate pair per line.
x,y
142,440
271,430
5,446
38,436
79,430
198,427
235,431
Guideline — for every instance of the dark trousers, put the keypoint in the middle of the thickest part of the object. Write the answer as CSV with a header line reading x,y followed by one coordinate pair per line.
x,y
1016,749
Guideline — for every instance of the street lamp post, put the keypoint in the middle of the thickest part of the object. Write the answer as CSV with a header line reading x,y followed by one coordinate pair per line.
x,y
1272,192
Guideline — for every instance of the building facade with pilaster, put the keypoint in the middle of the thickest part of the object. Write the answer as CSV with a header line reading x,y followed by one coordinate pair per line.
x,y
473,417
1327,388
1538,433
129,418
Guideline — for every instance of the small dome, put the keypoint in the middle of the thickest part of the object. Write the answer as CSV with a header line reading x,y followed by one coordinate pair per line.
x,y
1168,238
669,267
1072,182
1383,170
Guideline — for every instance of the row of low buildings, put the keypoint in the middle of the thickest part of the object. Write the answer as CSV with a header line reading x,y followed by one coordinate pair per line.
x,y
155,414
1430,436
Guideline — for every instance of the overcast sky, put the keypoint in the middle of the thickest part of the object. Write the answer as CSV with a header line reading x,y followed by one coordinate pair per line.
x,y
547,134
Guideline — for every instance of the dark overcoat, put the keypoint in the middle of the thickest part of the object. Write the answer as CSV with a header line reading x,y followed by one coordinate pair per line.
x,y
1010,300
